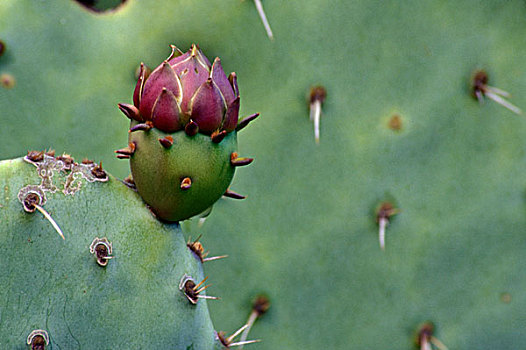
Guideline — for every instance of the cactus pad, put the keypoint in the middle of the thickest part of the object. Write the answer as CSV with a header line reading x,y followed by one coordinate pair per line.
x,y
113,283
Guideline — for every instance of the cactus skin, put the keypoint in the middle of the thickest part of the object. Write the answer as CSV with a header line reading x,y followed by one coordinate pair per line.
x,y
132,303
206,163
454,168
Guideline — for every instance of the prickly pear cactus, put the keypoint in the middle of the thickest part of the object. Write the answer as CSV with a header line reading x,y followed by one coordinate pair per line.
x,y
405,147
113,282
182,143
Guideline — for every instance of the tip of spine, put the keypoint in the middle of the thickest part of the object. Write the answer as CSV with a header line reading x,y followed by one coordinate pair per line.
x,y
238,161
191,129
186,183
167,141
231,194
217,136
243,123
144,126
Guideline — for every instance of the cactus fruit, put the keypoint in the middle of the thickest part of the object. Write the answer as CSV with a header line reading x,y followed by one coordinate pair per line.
x,y
183,134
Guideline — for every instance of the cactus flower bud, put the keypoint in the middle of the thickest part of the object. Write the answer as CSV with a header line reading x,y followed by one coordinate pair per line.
x,y
186,87
183,134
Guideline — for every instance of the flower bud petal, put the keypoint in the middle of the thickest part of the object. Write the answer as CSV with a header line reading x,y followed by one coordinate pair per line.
x,y
193,71
232,78
200,56
208,107
174,54
131,112
162,77
166,112
178,56
231,116
137,93
218,76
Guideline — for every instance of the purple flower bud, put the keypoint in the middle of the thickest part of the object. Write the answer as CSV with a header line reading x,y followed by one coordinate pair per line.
x,y
185,87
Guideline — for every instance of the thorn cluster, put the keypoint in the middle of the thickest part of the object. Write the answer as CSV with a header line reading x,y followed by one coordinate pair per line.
x,y
316,98
33,201
425,339
38,339
228,342
259,307
102,249
384,213
481,89
197,248
192,290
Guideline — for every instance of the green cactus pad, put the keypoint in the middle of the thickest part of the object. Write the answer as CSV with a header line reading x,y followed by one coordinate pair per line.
x,y
158,171
56,285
